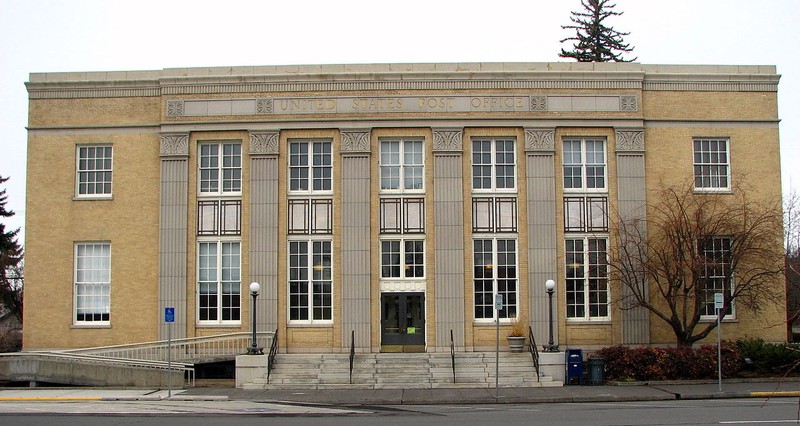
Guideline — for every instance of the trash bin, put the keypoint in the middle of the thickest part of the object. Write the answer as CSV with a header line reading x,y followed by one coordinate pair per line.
x,y
574,366
597,371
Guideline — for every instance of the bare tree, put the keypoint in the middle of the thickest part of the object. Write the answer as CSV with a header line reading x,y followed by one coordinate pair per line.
x,y
791,239
693,245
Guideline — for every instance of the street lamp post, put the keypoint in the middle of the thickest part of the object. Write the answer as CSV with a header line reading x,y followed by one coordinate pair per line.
x,y
550,285
254,349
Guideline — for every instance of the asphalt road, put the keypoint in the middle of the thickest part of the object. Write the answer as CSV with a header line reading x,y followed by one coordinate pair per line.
x,y
751,411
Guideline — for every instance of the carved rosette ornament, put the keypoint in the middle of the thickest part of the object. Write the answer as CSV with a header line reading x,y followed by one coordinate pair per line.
x,y
175,145
447,140
264,143
538,103
539,140
174,108
628,103
263,106
354,141
630,140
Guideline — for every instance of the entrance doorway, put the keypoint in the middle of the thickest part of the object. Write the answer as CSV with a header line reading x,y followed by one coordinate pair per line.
x,y
403,322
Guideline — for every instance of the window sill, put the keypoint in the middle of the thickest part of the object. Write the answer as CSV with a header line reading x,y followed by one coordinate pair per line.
x,y
583,321
205,325
714,319
314,325
93,198
76,326
712,191
492,323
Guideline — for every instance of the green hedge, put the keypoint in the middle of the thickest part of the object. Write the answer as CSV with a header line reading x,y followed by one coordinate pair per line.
x,y
645,363
768,358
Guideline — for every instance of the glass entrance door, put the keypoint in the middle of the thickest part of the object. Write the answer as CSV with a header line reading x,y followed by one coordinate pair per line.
x,y
403,322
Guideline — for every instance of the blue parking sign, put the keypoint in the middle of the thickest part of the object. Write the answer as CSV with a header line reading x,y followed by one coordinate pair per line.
x,y
169,314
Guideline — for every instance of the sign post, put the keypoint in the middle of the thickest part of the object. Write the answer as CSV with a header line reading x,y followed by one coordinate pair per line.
x,y
498,305
719,302
169,318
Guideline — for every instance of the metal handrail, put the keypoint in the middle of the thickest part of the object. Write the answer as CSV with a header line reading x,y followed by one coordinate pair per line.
x,y
534,352
452,355
190,349
352,353
273,349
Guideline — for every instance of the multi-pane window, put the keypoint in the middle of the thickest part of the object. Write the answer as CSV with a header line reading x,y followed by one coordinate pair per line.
x,y
717,274
585,214
94,171
402,259
493,164
310,166
310,281
219,282
402,215
494,214
219,217
587,278
495,272
92,283
220,168
711,164
584,164
401,165
310,216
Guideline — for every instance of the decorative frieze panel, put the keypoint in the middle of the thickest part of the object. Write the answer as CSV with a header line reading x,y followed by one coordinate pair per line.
x,y
538,103
263,106
371,105
174,108
355,141
264,143
447,140
539,140
174,144
628,103
630,140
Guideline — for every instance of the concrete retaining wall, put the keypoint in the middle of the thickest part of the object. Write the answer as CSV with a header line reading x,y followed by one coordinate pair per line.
x,y
32,368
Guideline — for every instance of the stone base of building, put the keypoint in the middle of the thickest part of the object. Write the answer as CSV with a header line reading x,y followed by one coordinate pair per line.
x,y
249,368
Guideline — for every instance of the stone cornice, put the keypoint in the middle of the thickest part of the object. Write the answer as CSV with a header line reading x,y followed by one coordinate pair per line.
x,y
387,77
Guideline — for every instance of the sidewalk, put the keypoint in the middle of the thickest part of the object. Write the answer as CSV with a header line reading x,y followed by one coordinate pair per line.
x,y
660,391
612,393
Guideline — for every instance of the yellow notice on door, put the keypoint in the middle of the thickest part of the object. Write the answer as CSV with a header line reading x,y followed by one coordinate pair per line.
x,y
411,330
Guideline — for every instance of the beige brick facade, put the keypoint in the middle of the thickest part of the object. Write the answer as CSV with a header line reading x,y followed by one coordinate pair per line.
x,y
131,112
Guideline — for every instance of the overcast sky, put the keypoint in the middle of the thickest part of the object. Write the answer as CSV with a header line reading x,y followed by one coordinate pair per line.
x,y
113,35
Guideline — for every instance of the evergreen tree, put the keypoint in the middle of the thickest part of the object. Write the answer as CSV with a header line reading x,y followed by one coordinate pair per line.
x,y
10,262
596,42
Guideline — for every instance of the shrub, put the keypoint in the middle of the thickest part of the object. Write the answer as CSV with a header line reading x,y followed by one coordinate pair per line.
x,y
647,363
769,358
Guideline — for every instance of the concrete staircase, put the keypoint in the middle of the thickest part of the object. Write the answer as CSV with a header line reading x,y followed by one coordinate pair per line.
x,y
401,371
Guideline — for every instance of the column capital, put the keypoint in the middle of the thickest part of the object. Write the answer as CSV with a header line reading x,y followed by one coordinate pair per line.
x,y
631,140
264,142
449,140
355,141
174,145
539,140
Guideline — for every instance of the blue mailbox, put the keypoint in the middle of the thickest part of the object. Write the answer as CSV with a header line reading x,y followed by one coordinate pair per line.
x,y
574,366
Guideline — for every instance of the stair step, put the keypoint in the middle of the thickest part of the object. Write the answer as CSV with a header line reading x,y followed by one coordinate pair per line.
x,y
401,371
